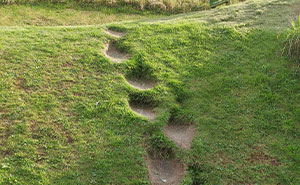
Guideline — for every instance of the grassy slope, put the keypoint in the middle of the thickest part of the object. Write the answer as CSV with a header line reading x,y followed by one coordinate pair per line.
x,y
274,14
51,81
244,98
63,106
249,118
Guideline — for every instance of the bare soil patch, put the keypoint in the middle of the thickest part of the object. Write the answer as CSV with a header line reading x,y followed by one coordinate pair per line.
x,y
181,135
141,84
165,171
111,52
144,111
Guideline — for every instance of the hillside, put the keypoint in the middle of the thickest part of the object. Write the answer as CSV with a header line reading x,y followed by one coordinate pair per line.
x,y
101,101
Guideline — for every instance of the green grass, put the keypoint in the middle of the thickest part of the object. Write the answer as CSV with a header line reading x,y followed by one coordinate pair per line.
x,y
242,95
65,119
292,42
59,122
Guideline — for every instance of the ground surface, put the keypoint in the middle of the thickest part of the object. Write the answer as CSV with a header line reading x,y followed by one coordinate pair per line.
x,y
65,116
68,13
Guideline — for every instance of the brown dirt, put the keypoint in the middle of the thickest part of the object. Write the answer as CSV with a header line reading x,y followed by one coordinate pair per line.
x,y
165,171
111,52
263,158
182,135
141,84
259,155
114,33
144,111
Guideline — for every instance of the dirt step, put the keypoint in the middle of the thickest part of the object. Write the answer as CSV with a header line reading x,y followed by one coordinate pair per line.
x,y
111,52
114,33
144,111
141,84
165,171
181,135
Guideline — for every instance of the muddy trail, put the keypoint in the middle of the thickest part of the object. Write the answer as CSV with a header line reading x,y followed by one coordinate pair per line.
x,y
162,170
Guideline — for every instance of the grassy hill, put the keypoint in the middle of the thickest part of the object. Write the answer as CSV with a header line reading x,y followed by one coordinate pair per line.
x,y
65,116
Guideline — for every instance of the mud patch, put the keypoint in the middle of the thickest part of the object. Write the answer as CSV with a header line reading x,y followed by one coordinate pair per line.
x,y
141,84
111,52
181,135
114,33
165,171
143,110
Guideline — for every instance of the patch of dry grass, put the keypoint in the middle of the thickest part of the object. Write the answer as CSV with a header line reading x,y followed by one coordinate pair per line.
x,y
161,5
292,42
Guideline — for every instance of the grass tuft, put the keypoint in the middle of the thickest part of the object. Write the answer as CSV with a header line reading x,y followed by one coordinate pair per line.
x,y
292,42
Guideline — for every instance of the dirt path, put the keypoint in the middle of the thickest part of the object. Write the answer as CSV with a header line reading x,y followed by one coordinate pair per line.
x,y
162,171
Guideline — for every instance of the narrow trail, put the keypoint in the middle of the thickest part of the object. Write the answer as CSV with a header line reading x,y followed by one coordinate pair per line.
x,y
162,171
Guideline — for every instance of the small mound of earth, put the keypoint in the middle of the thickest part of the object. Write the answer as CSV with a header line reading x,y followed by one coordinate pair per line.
x,y
144,111
165,171
114,33
141,84
111,52
181,135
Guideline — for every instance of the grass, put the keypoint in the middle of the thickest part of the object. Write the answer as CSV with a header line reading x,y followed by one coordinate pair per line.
x,y
68,13
58,113
250,14
65,118
242,95
160,5
292,42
